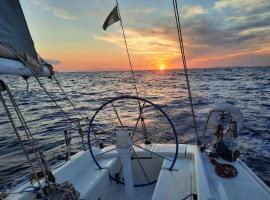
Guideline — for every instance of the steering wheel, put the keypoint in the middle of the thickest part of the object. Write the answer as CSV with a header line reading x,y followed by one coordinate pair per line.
x,y
142,119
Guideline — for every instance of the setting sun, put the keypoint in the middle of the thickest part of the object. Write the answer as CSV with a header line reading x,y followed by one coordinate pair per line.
x,y
162,67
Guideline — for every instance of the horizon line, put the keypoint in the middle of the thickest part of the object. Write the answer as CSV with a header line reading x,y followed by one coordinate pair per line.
x,y
171,69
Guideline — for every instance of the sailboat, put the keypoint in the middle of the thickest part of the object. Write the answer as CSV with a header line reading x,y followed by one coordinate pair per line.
x,y
127,162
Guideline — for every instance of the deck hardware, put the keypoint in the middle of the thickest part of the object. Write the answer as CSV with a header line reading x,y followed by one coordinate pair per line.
x,y
124,145
224,170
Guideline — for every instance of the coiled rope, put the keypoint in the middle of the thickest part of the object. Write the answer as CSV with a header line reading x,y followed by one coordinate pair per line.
x,y
181,46
63,191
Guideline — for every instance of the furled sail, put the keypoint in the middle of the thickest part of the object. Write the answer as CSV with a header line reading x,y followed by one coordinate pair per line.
x,y
16,42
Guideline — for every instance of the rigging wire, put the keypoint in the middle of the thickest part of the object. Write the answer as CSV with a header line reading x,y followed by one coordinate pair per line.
x,y
49,177
42,163
41,84
129,59
58,106
181,45
132,72
19,137
68,99
61,88
83,117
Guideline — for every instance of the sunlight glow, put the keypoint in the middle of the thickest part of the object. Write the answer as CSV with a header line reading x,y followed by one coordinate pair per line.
x,y
162,67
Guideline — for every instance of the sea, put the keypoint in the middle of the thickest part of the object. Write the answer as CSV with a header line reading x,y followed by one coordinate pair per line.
x,y
247,88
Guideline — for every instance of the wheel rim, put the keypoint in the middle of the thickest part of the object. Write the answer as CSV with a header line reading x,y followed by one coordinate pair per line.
x,y
139,99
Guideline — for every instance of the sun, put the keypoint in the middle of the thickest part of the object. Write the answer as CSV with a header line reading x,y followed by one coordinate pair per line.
x,y
162,67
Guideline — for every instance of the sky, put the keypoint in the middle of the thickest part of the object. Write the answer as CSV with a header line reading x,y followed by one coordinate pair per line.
x,y
69,34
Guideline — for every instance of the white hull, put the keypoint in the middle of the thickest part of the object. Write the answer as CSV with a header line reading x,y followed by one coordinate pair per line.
x,y
192,173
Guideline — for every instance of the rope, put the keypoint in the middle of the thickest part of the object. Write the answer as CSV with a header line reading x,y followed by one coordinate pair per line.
x,y
61,88
80,130
18,137
68,99
181,45
58,106
224,170
78,125
40,83
30,189
64,191
42,163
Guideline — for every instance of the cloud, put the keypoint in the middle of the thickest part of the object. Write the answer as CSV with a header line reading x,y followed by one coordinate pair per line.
x,y
240,4
52,61
246,23
142,11
193,11
206,40
187,12
61,13
146,41
72,9
55,10
244,14
256,31
155,46
226,29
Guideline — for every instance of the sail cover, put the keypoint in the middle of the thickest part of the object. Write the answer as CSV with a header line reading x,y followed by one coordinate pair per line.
x,y
15,39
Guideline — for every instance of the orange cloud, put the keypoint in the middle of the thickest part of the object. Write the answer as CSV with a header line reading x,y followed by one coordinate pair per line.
x,y
224,34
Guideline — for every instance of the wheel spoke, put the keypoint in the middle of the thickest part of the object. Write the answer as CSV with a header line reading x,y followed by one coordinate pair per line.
x,y
95,134
108,116
105,152
150,134
158,155
138,139
142,138
117,115
101,131
100,139
144,127
137,122
141,166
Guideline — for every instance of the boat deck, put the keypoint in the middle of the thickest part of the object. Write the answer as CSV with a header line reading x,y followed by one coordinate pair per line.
x,y
192,174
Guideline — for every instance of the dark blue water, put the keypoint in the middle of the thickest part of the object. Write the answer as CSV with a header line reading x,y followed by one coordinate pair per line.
x,y
246,88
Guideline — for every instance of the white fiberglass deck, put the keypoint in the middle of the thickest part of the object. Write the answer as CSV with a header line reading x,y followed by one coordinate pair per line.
x,y
192,174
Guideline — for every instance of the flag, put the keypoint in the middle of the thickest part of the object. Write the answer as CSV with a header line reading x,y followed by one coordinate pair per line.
x,y
112,18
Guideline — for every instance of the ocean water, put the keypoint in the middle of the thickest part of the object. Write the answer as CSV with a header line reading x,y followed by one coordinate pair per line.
x,y
246,88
